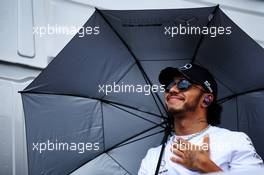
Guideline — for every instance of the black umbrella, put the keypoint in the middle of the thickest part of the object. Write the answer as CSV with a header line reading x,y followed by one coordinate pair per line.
x,y
69,106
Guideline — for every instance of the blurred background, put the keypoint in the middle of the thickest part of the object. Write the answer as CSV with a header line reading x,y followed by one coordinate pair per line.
x,y
23,53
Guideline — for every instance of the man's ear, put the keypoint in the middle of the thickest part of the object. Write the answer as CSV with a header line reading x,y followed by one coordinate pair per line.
x,y
207,99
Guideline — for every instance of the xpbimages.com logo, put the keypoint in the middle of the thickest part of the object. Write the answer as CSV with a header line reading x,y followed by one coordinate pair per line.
x,y
130,88
212,31
80,147
65,30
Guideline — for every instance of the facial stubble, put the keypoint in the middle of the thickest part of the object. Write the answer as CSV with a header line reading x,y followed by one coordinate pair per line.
x,y
188,107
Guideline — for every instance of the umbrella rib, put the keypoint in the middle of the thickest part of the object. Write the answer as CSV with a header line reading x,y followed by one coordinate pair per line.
x,y
136,60
111,102
220,81
224,99
118,163
126,73
113,147
123,75
237,117
93,98
202,37
149,82
224,85
140,138
102,113
134,114
134,136
166,59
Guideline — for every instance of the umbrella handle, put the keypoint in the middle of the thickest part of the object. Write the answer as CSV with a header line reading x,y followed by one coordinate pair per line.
x,y
167,133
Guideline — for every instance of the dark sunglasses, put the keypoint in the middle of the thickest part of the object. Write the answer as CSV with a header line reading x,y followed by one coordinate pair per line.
x,y
182,85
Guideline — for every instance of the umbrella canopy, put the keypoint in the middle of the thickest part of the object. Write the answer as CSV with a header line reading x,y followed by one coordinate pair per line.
x,y
72,117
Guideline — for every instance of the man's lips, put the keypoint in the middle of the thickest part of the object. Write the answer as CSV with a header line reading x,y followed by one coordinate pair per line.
x,y
175,97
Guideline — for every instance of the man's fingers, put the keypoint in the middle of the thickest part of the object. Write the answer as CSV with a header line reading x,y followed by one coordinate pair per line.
x,y
184,143
206,139
177,160
177,152
180,147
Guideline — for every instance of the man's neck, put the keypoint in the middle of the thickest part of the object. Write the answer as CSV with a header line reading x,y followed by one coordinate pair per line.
x,y
189,124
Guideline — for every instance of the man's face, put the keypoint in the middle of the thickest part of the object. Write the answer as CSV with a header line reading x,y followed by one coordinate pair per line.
x,y
183,101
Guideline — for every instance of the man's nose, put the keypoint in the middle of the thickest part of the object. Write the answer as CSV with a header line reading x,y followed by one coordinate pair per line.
x,y
174,89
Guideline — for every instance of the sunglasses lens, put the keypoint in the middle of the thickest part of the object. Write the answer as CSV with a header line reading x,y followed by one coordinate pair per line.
x,y
169,86
183,85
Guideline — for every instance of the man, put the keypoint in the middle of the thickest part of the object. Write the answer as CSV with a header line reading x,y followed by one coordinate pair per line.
x,y
196,146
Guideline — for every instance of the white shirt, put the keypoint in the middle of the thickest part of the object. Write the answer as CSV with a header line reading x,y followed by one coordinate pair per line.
x,y
229,150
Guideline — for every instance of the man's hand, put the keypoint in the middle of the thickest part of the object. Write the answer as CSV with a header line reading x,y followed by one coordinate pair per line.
x,y
194,157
